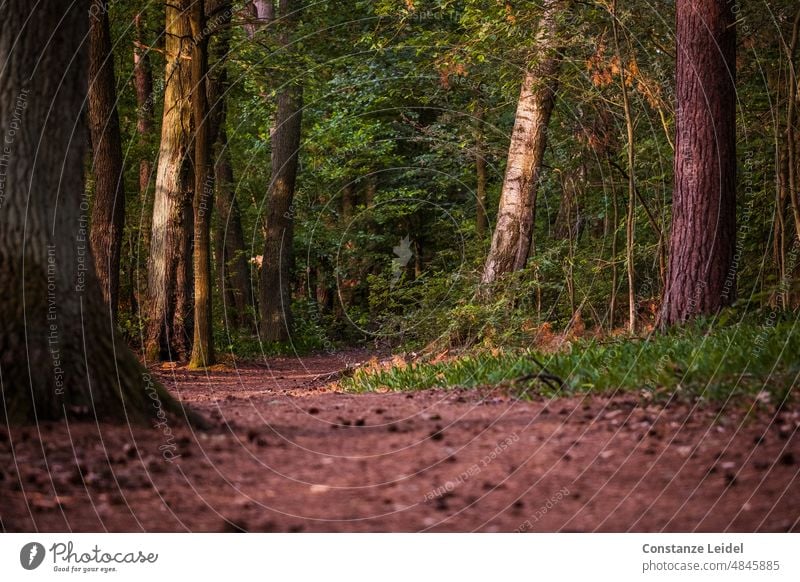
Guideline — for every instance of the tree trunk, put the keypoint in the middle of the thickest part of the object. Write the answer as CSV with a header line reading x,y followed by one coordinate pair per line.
x,y
630,224
203,343
169,276
481,220
275,296
512,235
791,106
234,270
143,80
612,301
275,291
701,276
108,210
58,355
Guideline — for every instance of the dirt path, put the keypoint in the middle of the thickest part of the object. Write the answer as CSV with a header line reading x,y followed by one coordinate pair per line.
x,y
292,455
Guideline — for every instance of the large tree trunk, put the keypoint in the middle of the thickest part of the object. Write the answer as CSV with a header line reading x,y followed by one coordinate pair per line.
x,y
275,291
169,269
511,240
108,210
701,275
58,355
203,344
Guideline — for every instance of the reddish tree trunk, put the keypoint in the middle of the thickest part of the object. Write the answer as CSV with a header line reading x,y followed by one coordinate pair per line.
x,y
701,275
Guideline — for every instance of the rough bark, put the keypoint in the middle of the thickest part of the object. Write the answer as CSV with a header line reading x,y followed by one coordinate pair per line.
x,y
58,355
511,240
701,276
203,341
108,209
169,270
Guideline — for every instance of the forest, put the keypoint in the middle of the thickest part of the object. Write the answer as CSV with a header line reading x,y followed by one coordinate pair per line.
x,y
400,265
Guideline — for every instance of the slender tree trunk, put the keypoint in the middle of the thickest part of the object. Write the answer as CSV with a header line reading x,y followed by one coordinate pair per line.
x,y
169,270
481,220
275,291
511,240
234,269
203,343
630,225
143,80
612,302
143,83
779,227
58,355
701,276
233,273
791,109
108,210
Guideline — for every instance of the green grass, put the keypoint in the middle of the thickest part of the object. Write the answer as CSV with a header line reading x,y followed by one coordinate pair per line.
x,y
738,361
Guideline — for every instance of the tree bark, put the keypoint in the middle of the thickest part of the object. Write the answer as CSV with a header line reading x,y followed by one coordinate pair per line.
x,y
701,276
275,292
203,342
108,210
169,270
511,240
58,355
275,296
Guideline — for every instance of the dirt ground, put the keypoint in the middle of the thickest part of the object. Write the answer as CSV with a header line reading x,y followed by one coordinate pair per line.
x,y
289,453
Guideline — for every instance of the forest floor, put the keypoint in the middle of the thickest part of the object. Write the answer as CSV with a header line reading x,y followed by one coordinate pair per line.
x,y
291,453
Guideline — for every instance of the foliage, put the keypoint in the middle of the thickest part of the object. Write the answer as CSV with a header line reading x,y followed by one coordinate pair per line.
x,y
743,362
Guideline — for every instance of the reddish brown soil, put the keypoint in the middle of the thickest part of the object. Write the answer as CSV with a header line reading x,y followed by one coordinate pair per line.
x,y
290,454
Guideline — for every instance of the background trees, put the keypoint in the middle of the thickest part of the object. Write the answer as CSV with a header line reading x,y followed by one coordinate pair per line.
x,y
413,171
